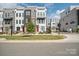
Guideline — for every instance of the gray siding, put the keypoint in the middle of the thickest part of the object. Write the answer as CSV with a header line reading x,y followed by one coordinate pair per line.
x,y
72,16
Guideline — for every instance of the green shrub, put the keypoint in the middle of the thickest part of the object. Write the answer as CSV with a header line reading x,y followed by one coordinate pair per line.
x,y
48,30
40,32
30,27
77,30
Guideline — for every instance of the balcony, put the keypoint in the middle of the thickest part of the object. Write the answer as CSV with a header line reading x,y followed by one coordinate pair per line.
x,y
8,16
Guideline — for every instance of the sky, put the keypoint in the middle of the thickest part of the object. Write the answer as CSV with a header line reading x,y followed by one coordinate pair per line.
x,y
53,9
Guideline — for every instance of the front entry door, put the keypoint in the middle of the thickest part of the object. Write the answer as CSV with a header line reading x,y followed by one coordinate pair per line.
x,y
37,28
18,29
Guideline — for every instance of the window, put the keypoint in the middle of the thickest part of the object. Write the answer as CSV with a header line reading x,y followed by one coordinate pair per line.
x,y
5,14
43,14
40,13
22,14
7,22
43,21
19,14
11,15
19,21
33,13
16,14
16,21
8,14
18,28
43,28
39,20
53,23
72,22
27,12
0,15
22,21
66,23
68,11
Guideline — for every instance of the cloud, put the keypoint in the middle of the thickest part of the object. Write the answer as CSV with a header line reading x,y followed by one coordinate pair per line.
x,y
59,11
56,14
8,5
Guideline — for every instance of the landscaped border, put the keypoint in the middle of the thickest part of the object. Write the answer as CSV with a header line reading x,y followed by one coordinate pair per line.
x,y
33,37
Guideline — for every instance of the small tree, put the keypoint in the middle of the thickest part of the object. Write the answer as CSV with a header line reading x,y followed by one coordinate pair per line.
x,y
77,30
30,27
49,30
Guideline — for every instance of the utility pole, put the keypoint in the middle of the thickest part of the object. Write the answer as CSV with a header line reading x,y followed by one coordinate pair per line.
x,y
50,24
11,27
59,25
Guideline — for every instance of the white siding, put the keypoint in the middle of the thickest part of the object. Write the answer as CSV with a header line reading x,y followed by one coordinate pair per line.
x,y
19,19
1,20
41,13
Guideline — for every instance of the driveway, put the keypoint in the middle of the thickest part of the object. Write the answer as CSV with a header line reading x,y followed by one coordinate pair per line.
x,y
71,37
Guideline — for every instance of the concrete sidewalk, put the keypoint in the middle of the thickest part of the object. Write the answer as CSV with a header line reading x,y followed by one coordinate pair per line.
x,y
29,41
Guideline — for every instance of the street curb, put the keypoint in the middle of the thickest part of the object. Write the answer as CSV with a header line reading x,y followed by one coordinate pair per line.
x,y
30,41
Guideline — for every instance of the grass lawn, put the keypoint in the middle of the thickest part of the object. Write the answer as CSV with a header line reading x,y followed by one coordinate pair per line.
x,y
34,37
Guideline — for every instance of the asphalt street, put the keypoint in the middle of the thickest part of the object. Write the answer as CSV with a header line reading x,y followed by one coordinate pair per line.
x,y
39,49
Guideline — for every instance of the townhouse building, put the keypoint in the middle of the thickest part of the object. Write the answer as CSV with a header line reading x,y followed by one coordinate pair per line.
x,y
54,23
30,15
19,20
48,22
15,19
70,19
41,19
1,20
8,20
